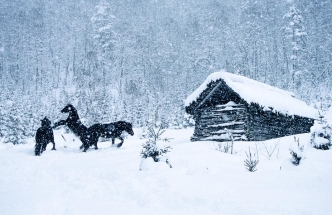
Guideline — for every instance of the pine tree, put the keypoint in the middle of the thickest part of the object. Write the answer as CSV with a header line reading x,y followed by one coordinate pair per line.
x,y
16,132
321,133
151,149
295,32
3,125
104,34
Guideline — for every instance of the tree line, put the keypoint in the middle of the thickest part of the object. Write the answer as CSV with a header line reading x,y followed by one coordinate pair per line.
x,y
126,59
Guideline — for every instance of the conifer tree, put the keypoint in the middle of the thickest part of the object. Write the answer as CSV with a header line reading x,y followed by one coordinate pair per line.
x,y
296,34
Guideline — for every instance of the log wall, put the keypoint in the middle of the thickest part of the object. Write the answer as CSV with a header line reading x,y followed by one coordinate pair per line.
x,y
212,122
264,125
250,123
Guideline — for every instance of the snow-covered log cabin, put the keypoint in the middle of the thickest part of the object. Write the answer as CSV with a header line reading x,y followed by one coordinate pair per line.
x,y
249,109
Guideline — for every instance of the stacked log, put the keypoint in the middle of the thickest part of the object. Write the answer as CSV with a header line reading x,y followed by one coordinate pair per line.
x,y
263,125
246,123
214,123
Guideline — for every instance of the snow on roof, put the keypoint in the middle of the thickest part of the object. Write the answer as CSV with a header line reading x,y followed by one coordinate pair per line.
x,y
256,92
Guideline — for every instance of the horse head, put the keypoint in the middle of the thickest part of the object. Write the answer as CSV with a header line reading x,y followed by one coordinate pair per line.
x,y
68,109
45,122
129,128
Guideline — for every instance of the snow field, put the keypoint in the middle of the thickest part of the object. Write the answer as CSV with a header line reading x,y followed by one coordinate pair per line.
x,y
202,180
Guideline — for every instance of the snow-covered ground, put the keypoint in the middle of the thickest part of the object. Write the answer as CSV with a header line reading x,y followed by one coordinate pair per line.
x,y
202,180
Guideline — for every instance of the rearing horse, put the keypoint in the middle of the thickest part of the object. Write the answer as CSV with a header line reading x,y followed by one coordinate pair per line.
x,y
89,136
75,125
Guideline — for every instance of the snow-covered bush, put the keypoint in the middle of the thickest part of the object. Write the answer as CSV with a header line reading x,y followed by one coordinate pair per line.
x,y
151,149
15,130
296,150
251,162
321,134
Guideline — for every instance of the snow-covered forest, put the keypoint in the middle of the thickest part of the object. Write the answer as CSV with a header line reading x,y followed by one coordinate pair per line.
x,y
126,59
149,64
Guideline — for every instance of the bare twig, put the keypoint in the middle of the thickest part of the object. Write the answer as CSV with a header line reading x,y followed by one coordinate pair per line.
x,y
64,139
257,150
268,151
223,147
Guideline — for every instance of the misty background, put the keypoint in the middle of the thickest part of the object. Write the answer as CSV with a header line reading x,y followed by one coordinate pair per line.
x,y
126,59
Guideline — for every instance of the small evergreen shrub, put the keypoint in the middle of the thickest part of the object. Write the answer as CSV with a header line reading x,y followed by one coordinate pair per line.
x,y
251,162
151,149
321,134
296,151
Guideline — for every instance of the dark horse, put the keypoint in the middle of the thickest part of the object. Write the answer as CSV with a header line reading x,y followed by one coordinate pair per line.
x,y
89,136
44,136
74,124
111,130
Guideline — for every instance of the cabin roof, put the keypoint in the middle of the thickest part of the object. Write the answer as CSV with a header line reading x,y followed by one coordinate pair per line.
x,y
252,91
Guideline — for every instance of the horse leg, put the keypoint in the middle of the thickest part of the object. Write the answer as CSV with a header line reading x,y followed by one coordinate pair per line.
x,y
85,144
85,148
51,138
53,145
113,140
120,144
61,122
37,149
43,147
96,142
82,139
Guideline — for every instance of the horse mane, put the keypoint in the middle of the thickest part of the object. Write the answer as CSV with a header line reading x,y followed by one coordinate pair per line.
x,y
72,108
124,123
73,120
73,112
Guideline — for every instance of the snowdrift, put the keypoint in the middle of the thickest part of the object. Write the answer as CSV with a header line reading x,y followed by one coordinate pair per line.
x,y
202,180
